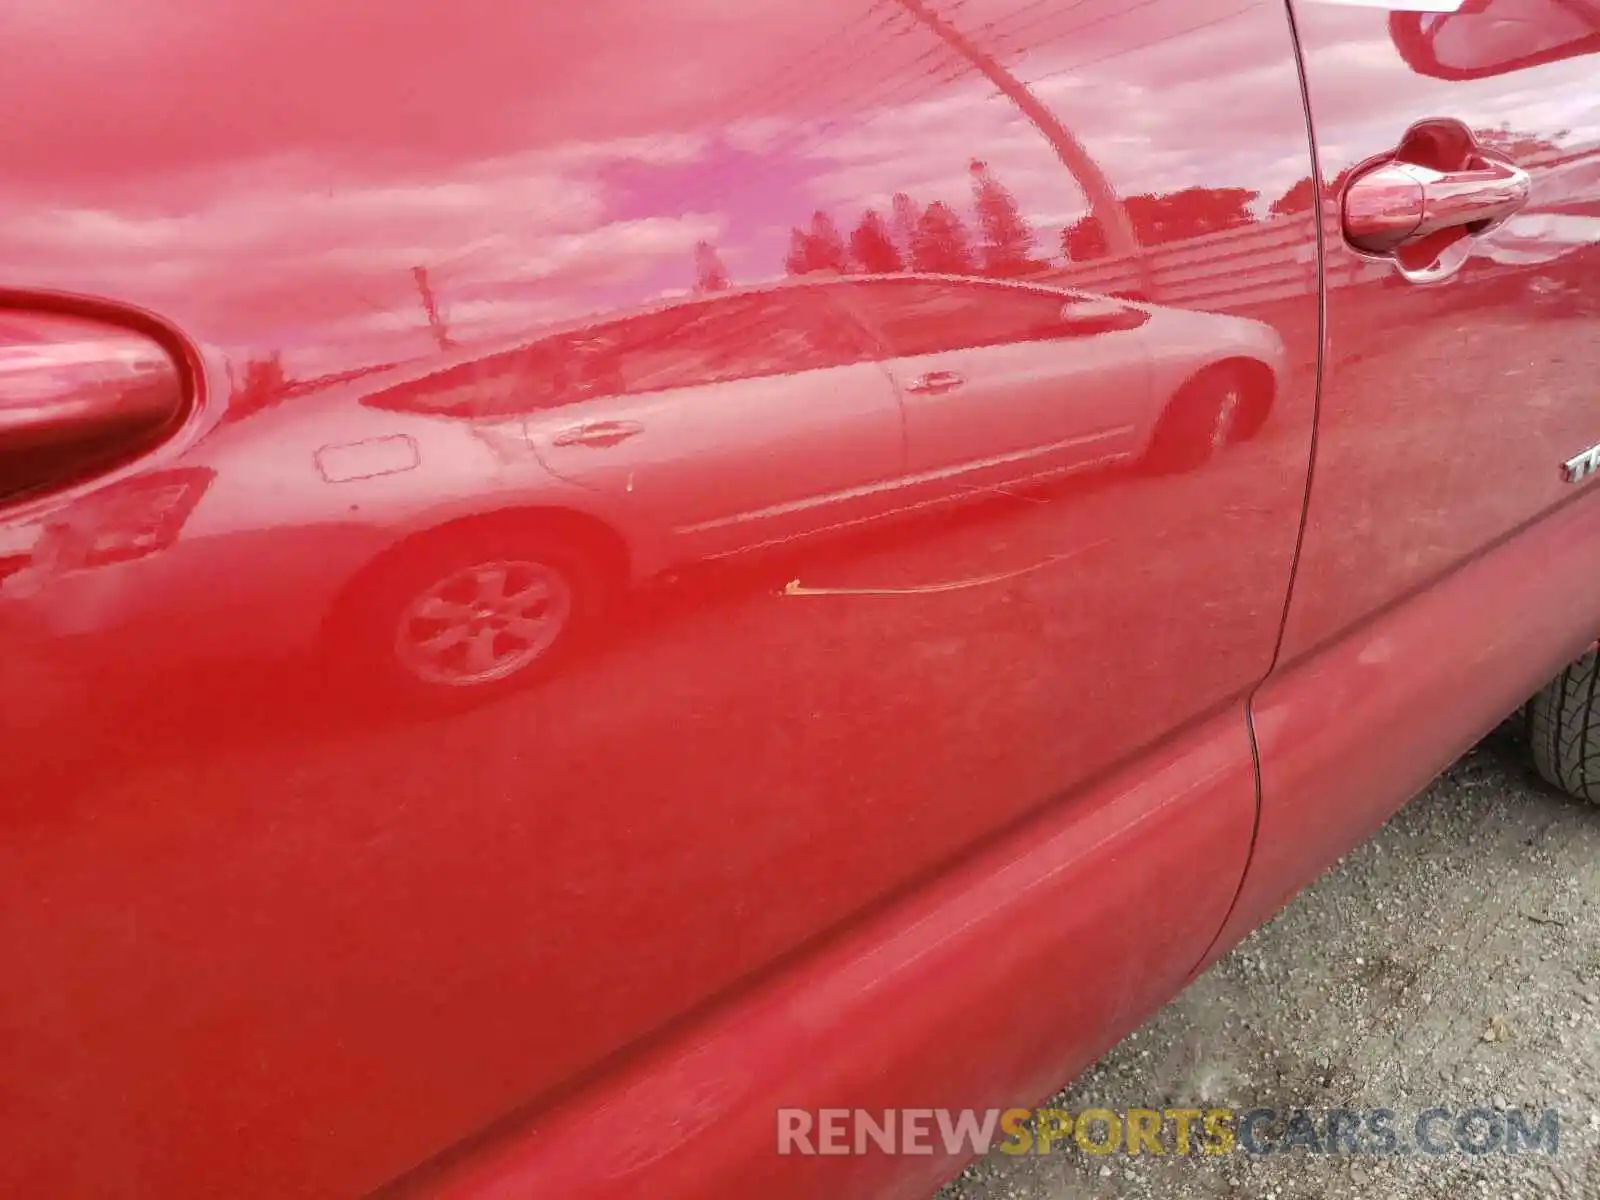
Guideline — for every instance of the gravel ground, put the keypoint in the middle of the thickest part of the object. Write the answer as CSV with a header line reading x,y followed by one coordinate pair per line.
x,y
1452,961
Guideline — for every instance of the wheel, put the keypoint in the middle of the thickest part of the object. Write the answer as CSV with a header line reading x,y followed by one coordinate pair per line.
x,y
1201,419
457,618
1564,729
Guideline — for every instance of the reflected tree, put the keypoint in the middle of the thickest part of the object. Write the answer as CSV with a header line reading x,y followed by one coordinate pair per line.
x,y
818,247
873,248
1084,240
941,244
265,383
1007,239
1117,226
1166,217
709,273
906,214
1298,198
1192,212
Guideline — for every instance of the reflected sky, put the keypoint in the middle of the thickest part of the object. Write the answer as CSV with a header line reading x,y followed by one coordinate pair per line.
x,y
526,207
534,203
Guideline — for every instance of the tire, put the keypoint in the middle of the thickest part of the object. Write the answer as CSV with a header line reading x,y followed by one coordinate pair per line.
x,y
1564,729
461,618
1203,418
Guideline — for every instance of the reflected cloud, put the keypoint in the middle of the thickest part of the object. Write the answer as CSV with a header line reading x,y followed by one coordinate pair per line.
x,y
585,213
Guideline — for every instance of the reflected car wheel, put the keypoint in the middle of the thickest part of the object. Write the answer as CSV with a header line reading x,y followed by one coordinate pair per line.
x,y
483,622
1205,416
454,619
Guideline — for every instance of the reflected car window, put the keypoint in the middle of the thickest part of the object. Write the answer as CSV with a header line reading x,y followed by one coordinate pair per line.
x,y
926,317
519,381
690,345
742,338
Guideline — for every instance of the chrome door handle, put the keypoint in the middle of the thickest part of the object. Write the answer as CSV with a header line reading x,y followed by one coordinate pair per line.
x,y
77,395
598,433
1397,203
935,383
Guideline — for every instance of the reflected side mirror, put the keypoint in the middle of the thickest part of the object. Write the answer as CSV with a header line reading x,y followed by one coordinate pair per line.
x,y
1081,318
1495,37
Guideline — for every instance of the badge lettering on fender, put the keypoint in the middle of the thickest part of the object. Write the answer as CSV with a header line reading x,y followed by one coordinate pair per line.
x,y
1576,470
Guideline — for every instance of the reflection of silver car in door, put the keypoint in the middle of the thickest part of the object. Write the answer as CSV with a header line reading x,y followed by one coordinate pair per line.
x,y
757,417
725,423
477,511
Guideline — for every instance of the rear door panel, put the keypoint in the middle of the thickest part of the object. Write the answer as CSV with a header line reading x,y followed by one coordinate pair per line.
x,y
1447,412
1448,409
270,932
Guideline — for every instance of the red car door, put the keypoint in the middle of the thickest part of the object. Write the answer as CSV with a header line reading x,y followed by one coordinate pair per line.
x,y
930,813
1443,575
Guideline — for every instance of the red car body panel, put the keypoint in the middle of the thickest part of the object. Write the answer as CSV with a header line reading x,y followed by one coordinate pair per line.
x,y
1454,403
911,765
1330,776
983,967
